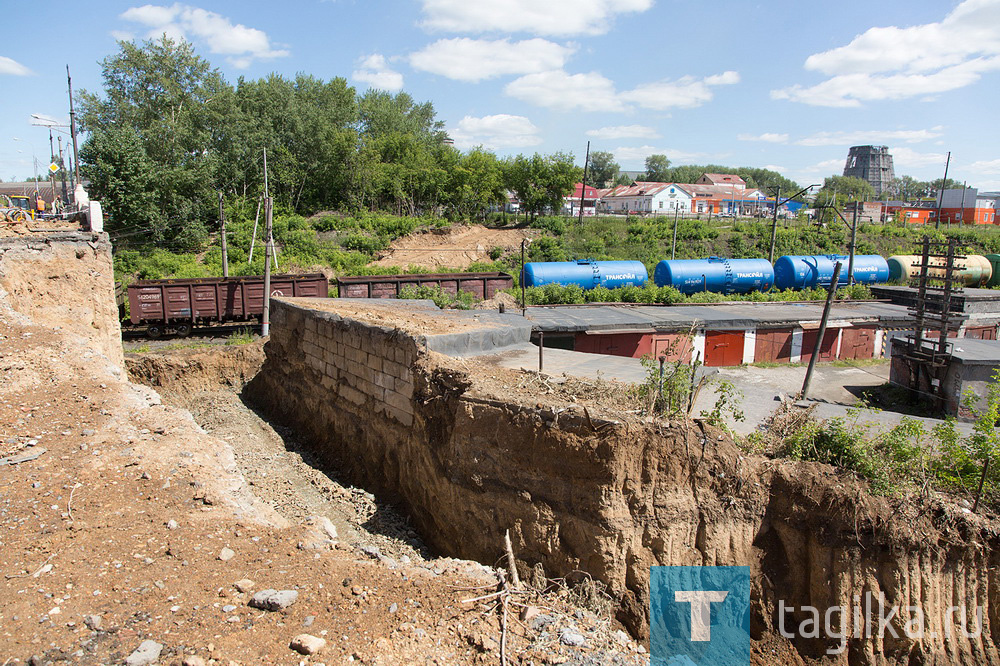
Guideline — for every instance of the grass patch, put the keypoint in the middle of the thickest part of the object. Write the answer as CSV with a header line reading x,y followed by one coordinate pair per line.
x,y
243,336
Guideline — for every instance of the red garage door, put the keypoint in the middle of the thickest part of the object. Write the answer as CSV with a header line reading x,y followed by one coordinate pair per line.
x,y
981,332
773,345
857,343
723,348
827,352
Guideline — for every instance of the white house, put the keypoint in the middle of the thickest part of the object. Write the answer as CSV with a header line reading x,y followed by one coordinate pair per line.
x,y
650,198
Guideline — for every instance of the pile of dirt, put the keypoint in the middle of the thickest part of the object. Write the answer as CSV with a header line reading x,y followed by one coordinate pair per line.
x,y
400,315
455,247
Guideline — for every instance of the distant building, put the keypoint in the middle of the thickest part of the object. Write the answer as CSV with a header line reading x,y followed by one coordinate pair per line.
x,y
590,196
872,164
727,179
967,205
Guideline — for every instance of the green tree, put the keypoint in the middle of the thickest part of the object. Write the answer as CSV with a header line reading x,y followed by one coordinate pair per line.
x,y
602,169
846,188
475,184
175,104
118,168
541,181
657,169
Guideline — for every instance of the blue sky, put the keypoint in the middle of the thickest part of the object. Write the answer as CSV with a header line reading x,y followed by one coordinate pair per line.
x,y
780,85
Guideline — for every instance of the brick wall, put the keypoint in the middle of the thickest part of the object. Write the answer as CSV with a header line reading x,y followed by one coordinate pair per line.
x,y
368,367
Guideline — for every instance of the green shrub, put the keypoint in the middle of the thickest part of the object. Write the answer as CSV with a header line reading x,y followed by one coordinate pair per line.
x,y
463,300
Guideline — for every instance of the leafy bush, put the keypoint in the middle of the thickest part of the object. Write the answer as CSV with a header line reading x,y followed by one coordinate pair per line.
x,y
463,300
891,460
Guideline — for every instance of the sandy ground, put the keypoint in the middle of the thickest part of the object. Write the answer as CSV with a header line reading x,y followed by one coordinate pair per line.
x,y
456,247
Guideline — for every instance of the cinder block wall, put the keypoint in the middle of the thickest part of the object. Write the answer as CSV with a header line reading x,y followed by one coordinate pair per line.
x,y
368,367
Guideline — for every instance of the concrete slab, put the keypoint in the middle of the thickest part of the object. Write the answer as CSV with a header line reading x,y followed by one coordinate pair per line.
x,y
623,317
976,352
834,390
576,364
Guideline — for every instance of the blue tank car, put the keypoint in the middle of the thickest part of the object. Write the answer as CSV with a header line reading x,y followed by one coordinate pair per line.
x,y
586,274
715,274
808,271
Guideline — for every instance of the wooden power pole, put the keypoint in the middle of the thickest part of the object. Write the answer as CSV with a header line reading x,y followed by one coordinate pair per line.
x,y
225,251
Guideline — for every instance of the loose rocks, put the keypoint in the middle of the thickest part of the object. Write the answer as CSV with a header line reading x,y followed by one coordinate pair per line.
x,y
307,644
273,600
147,653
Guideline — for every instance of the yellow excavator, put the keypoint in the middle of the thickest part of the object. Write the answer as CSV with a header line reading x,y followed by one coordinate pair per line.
x,y
18,208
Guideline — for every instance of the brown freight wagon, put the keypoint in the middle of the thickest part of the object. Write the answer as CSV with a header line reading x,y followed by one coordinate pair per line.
x,y
181,304
481,285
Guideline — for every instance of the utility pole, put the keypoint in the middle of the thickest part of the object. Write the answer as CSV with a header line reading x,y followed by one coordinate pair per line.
x,y
583,189
62,169
52,174
72,128
253,238
854,241
961,220
265,327
225,252
673,246
821,333
774,224
944,181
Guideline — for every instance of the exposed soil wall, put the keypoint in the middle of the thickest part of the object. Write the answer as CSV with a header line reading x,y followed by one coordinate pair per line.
x,y
611,495
63,281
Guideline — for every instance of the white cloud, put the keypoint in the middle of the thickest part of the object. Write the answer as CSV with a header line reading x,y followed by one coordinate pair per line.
x,y
908,158
495,132
624,132
686,92
986,166
874,137
636,155
766,137
374,70
238,43
12,67
826,166
477,59
123,35
890,63
550,17
775,167
559,90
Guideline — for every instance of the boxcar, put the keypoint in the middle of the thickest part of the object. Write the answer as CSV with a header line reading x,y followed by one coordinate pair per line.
x,y
480,285
181,304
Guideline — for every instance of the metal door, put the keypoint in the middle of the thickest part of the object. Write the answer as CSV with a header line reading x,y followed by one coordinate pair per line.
x,y
723,348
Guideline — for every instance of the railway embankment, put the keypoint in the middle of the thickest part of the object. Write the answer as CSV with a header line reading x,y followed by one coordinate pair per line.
x,y
598,492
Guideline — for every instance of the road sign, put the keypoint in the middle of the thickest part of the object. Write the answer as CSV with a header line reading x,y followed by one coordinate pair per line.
x,y
53,167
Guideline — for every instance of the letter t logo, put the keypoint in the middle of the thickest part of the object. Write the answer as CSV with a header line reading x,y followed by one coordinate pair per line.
x,y
701,610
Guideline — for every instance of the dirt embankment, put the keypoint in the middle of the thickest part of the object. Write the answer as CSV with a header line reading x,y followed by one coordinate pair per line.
x,y
602,492
455,247
60,281
123,523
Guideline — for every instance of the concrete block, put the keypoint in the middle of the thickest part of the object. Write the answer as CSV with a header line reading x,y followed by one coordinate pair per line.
x,y
405,418
384,381
315,363
352,395
398,401
404,387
